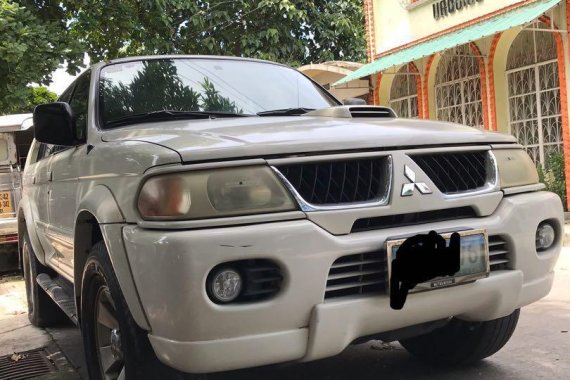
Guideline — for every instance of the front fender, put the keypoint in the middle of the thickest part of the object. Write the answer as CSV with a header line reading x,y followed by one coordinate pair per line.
x,y
101,203
98,210
26,223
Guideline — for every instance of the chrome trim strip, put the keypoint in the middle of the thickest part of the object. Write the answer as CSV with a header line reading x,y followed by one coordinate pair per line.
x,y
307,207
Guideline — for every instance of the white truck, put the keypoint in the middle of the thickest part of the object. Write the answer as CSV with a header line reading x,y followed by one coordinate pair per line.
x,y
16,135
199,214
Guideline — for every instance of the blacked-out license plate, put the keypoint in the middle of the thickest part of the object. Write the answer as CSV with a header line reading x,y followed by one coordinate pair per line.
x,y
474,256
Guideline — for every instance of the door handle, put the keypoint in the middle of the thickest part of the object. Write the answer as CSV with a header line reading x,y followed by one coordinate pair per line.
x,y
50,176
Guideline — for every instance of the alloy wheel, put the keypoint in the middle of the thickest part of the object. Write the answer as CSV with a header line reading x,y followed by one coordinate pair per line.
x,y
108,336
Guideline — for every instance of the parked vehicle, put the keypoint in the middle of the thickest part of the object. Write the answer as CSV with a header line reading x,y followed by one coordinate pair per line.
x,y
16,136
201,214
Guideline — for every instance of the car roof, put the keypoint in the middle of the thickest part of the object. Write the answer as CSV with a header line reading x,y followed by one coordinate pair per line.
x,y
16,122
186,56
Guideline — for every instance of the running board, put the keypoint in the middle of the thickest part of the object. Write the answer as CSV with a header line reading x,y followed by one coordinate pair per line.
x,y
59,295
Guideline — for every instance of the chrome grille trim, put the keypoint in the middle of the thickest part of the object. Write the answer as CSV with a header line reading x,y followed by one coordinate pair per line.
x,y
386,184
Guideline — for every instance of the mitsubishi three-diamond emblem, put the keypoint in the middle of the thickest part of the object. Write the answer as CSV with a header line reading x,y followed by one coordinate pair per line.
x,y
408,188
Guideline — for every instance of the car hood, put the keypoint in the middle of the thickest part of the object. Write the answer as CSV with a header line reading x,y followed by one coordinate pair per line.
x,y
202,140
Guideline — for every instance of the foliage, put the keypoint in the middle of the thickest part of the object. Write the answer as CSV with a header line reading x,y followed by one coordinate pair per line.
x,y
157,86
39,95
34,42
33,97
289,31
553,175
213,101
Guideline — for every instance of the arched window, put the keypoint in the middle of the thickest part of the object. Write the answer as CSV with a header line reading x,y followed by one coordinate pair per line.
x,y
404,93
534,93
458,88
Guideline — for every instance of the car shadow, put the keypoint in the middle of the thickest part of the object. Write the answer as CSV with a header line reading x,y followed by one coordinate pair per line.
x,y
372,360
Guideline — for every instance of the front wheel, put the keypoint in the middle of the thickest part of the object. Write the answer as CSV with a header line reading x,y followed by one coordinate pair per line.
x,y
462,342
115,347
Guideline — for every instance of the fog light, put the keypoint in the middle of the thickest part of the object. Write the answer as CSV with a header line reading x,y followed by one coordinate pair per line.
x,y
545,236
225,285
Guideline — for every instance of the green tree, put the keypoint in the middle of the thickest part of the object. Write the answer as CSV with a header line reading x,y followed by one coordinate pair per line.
x,y
289,31
34,42
552,175
34,97
40,95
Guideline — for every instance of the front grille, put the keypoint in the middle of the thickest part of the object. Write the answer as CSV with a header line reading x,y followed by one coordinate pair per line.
x,y
455,172
340,182
498,253
367,273
389,221
359,274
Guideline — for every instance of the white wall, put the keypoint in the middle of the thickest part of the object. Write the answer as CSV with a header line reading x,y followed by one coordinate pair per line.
x,y
396,25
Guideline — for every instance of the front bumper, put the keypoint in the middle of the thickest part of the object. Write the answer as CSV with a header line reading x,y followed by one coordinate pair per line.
x,y
8,230
192,334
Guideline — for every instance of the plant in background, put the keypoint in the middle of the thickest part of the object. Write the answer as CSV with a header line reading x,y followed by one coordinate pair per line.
x,y
552,175
289,31
34,42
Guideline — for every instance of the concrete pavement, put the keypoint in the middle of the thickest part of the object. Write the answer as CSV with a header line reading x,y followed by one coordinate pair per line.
x,y
539,348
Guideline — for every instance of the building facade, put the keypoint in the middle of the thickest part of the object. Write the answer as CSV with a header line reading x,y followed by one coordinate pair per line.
x,y
498,65
327,73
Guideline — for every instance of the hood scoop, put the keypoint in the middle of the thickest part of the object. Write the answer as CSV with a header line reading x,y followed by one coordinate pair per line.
x,y
350,112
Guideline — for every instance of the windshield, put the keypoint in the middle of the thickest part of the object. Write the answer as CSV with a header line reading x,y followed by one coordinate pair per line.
x,y
205,85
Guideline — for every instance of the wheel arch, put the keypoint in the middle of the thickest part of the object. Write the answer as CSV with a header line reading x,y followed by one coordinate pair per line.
x,y
25,224
99,218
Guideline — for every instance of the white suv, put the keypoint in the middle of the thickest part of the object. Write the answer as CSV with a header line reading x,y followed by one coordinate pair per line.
x,y
220,213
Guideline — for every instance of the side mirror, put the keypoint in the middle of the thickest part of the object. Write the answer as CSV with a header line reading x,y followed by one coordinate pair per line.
x,y
354,102
54,124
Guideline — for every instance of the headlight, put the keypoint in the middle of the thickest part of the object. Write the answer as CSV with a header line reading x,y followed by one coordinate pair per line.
x,y
213,193
515,168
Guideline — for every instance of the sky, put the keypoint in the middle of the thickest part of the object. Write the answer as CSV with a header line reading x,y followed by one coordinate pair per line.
x,y
61,79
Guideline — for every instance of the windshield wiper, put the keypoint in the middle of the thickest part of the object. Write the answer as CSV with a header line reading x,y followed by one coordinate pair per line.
x,y
170,115
286,112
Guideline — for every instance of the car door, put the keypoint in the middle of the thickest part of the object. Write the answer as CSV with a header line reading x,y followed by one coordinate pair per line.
x,y
38,189
65,170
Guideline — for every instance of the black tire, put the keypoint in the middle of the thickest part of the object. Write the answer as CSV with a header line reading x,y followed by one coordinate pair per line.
x,y
42,310
137,356
461,342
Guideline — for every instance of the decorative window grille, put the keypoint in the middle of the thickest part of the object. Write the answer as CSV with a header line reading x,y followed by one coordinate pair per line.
x,y
458,88
534,93
404,93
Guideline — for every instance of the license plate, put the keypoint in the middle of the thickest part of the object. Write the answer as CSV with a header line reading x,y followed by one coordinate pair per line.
x,y
474,260
6,209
